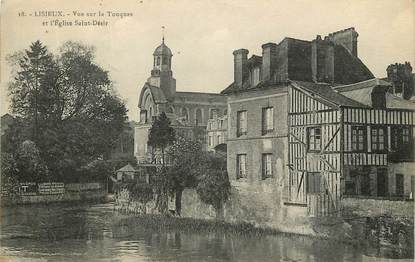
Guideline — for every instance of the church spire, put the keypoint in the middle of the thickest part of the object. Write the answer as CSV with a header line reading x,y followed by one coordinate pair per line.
x,y
162,32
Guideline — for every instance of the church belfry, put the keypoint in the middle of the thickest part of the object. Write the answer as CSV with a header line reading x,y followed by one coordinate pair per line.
x,y
162,75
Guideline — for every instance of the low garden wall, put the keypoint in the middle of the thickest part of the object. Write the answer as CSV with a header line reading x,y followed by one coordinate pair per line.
x,y
367,207
56,192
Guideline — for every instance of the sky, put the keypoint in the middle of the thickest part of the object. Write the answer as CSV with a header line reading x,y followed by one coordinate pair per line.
x,y
202,35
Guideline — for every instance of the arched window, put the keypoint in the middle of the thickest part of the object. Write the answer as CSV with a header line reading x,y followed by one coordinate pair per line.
x,y
198,117
213,113
165,60
185,114
158,61
150,112
170,110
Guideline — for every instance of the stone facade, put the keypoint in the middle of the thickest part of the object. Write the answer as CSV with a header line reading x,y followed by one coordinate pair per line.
x,y
217,132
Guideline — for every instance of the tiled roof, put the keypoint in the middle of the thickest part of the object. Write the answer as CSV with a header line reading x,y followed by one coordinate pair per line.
x,y
364,84
362,92
126,168
199,97
326,92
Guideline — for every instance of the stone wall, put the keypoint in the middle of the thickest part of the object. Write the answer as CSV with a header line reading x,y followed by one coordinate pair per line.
x,y
84,193
365,207
384,223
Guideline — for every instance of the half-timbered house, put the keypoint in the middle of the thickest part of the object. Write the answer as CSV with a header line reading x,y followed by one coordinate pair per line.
x,y
339,146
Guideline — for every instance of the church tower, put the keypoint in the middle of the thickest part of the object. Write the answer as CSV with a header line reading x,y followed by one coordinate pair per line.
x,y
162,75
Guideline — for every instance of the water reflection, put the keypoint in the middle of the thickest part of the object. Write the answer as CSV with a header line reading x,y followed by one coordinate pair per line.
x,y
80,233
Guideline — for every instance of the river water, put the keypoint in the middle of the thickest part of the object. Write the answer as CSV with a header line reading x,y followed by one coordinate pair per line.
x,y
74,232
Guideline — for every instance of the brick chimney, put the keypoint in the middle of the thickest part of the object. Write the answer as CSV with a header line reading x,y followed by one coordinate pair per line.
x,y
347,38
322,60
269,60
240,58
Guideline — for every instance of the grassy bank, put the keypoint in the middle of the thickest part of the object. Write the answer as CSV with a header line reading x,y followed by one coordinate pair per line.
x,y
190,225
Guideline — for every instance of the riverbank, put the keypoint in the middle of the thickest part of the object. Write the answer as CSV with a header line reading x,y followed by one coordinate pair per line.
x,y
378,228
84,232
165,223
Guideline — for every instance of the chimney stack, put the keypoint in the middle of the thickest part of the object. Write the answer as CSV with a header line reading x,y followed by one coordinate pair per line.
x,y
239,70
322,60
269,60
347,38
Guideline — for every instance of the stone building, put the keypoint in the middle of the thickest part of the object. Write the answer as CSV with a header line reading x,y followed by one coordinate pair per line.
x,y
217,133
306,120
188,111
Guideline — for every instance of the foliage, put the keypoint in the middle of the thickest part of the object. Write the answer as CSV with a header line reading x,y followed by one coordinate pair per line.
x,y
214,187
68,103
36,70
141,192
160,136
101,170
8,174
185,157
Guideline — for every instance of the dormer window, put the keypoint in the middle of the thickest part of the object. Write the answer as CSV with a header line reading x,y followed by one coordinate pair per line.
x,y
255,76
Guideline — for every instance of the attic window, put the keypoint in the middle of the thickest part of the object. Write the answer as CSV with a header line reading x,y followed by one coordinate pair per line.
x,y
255,76
378,97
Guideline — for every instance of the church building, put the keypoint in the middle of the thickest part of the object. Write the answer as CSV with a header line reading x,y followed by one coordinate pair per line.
x,y
188,111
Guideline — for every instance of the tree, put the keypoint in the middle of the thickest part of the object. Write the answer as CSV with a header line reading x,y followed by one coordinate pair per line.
x,y
161,135
214,187
69,102
186,160
36,69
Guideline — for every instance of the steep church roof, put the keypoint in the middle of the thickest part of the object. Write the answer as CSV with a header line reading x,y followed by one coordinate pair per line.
x,y
156,93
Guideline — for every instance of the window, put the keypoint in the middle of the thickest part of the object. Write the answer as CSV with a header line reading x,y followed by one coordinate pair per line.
x,y
241,123
255,76
221,124
314,138
143,115
185,115
378,139
313,183
399,185
401,142
165,61
210,142
219,139
241,166
267,120
213,113
150,112
266,166
158,61
358,138
198,118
